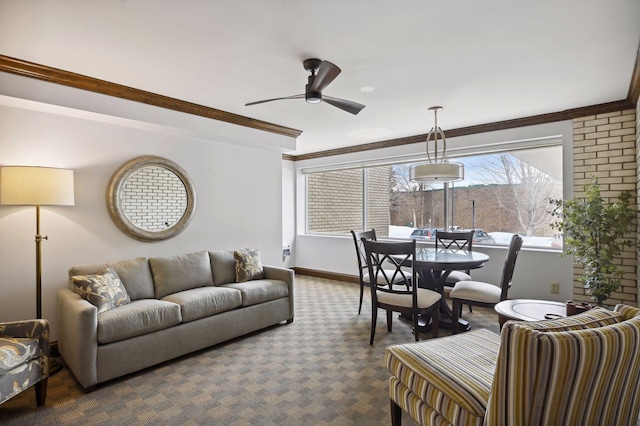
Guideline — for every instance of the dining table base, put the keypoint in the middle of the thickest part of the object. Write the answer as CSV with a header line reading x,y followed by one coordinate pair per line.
x,y
436,280
424,323
433,266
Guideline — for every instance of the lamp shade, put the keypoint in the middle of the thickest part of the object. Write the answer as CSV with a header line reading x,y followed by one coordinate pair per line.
x,y
437,172
36,186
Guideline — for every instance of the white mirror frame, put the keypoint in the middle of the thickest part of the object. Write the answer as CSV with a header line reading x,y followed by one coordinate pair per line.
x,y
117,213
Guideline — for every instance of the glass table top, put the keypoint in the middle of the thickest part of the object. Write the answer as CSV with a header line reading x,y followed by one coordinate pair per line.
x,y
447,256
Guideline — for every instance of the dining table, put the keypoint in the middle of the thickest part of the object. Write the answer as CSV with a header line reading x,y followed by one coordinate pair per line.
x,y
433,266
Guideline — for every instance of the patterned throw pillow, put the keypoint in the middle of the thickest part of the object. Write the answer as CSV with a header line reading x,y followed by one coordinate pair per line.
x,y
248,265
103,290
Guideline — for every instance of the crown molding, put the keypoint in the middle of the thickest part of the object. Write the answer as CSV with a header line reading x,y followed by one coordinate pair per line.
x,y
568,114
83,82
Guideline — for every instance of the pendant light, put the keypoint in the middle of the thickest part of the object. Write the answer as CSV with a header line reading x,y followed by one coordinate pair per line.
x,y
437,168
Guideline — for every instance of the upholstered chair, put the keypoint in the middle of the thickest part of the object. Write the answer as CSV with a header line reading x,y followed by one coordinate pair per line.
x,y
579,370
24,358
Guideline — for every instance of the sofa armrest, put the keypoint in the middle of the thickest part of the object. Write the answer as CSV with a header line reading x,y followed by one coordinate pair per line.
x,y
283,274
79,336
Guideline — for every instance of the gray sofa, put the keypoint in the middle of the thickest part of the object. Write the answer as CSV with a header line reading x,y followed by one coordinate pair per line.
x,y
178,304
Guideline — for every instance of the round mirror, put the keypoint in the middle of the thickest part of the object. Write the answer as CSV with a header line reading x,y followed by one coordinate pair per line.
x,y
151,198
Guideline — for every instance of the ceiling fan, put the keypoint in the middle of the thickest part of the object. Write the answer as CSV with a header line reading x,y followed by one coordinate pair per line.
x,y
322,74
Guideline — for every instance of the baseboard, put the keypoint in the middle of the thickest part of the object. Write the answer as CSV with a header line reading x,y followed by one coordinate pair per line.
x,y
328,275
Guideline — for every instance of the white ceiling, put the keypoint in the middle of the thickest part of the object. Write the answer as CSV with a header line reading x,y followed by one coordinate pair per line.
x,y
484,61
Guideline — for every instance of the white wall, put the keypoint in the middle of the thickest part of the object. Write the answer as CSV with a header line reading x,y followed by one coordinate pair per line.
x,y
289,210
536,269
238,191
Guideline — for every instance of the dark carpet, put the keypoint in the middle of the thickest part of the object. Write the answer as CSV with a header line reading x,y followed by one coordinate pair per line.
x,y
319,370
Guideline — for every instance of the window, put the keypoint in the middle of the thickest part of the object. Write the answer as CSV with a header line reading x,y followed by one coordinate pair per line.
x,y
335,202
502,194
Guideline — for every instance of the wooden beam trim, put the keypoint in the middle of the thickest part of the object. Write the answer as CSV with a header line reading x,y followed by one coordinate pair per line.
x,y
79,81
480,128
83,82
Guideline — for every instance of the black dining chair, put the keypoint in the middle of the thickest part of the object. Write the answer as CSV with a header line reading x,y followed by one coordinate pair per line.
x,y
362,261
455,240
395,294
483,294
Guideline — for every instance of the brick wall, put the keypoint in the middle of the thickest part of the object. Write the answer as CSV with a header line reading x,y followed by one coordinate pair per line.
x,y
154,198
335,201
378,190
604,146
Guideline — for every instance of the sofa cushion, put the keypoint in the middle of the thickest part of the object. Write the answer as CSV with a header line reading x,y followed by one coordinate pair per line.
x,y
134,273
260,291
248,265
17,351
103,290
137,318
205,301
172,274
223,266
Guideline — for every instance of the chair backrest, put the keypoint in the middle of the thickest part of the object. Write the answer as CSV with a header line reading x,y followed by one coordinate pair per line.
x,y
460,240
579,370
387,259
360,253
510,265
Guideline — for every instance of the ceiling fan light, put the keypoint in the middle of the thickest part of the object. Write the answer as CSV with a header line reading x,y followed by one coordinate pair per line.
x,y
437,172
313,97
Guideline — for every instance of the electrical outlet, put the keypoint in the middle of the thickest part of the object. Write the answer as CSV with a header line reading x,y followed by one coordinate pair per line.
x,y
555,288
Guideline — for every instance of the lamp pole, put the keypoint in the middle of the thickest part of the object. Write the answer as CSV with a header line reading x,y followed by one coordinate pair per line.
x,y
39,239
473,214
445,196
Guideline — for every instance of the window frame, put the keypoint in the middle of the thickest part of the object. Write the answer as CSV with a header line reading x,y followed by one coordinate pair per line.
x,y
531,137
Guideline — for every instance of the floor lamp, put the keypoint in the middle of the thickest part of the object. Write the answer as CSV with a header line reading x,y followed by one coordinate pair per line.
x,y
37,186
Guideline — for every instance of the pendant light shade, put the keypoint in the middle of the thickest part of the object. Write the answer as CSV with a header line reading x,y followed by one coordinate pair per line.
x,y
437,168
440,172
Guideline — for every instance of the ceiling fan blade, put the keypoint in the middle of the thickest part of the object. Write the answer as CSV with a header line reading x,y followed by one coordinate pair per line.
x,y
275,99
345,105
327,72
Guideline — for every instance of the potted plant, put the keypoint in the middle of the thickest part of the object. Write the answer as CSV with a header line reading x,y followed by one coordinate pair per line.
x,y
595,233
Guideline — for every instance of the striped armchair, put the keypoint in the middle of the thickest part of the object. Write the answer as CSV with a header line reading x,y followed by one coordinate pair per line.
x,y
579,370
24,358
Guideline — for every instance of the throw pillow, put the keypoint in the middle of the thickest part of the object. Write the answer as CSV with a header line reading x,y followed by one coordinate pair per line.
x,y
104,290
248,265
